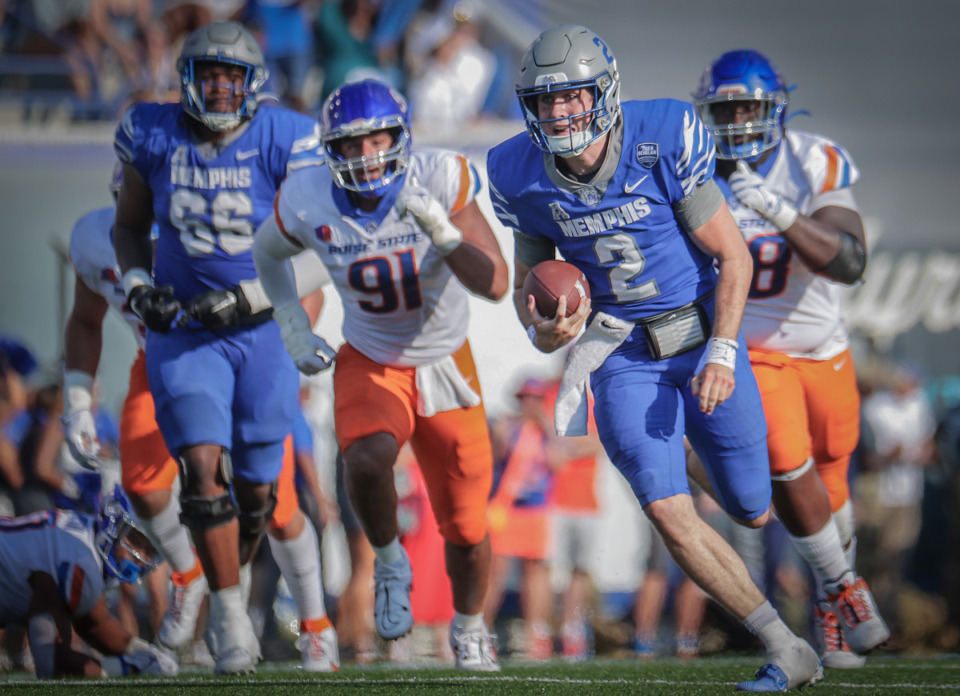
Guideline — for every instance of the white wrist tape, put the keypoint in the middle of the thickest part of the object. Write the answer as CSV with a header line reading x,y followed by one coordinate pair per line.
x,y
722,351
135,277
446,237
256,296
77,391
785,217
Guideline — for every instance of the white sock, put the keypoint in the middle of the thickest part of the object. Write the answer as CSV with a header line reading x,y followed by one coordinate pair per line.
x,y
224,603
299,563
391,553
823,551
467,622
246,581
850,552
765,623
171,537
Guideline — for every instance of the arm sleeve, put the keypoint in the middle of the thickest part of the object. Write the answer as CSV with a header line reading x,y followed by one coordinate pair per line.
x,y
699,206
272,249
532,250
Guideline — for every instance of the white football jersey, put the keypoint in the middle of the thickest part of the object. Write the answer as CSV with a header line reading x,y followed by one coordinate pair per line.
x,y
59,543
95,261
791,309
403,306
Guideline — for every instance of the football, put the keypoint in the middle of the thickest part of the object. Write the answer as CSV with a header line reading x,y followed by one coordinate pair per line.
x,y
548,281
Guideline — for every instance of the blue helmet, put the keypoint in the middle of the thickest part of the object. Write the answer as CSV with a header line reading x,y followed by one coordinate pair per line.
x,y
117,527
357,109
565,58
228,43
743,76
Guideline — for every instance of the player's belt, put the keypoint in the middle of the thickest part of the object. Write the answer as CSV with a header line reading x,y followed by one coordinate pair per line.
x,y
677,330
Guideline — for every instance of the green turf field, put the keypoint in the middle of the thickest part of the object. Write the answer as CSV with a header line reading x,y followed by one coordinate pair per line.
x,y
884,676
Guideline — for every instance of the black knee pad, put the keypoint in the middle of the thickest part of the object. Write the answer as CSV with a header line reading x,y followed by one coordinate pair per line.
x,y
254,523
202,514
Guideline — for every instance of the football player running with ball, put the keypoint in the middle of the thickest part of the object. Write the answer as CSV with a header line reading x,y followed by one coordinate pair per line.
x,y
404,241
626,193
790,193
225,392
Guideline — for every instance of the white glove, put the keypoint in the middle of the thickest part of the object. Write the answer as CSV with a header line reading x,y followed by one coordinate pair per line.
x,y
310,352
141,657
751,190
429,216
80,429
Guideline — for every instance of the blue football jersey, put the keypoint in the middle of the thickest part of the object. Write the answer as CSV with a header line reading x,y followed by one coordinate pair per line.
x,y
627,240
208,204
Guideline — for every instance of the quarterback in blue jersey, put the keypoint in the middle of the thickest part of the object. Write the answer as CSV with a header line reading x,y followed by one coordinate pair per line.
x,y
206,170
626,193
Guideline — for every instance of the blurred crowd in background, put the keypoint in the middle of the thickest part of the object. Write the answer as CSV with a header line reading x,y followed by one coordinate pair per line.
x,y
91,58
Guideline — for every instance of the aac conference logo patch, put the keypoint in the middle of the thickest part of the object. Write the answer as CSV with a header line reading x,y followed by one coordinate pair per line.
x,y
648,154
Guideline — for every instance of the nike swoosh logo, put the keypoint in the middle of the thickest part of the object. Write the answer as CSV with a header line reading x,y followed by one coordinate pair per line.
x,y
837,366
628,188
247,154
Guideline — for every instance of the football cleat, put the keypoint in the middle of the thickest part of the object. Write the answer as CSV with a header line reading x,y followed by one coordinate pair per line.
x,y
474,649
180,621
796,668
836,653
856,610
392,583
234,645
318,649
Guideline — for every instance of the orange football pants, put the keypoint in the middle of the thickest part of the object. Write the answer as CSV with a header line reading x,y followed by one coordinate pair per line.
x,y
452,447
812,409
145,461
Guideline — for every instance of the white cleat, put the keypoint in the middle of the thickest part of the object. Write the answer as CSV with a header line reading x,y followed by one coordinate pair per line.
x,y
392,583
836,653
474,650
319,651
180,621
861,624
236,649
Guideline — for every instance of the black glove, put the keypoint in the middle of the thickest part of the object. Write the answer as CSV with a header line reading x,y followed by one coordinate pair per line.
x,y
218,309
156,307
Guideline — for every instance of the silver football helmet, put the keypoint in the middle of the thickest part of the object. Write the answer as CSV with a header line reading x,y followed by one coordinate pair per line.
x,y
563,58
221,42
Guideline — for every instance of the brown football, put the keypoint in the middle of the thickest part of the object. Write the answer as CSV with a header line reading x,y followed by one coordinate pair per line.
x,y
548,281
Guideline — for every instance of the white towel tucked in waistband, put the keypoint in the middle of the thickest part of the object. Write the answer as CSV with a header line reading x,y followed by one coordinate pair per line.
x,y
600,339
441,387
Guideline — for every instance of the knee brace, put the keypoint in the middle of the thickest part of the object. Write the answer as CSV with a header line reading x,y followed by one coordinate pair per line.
x,y
202,514
254,523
